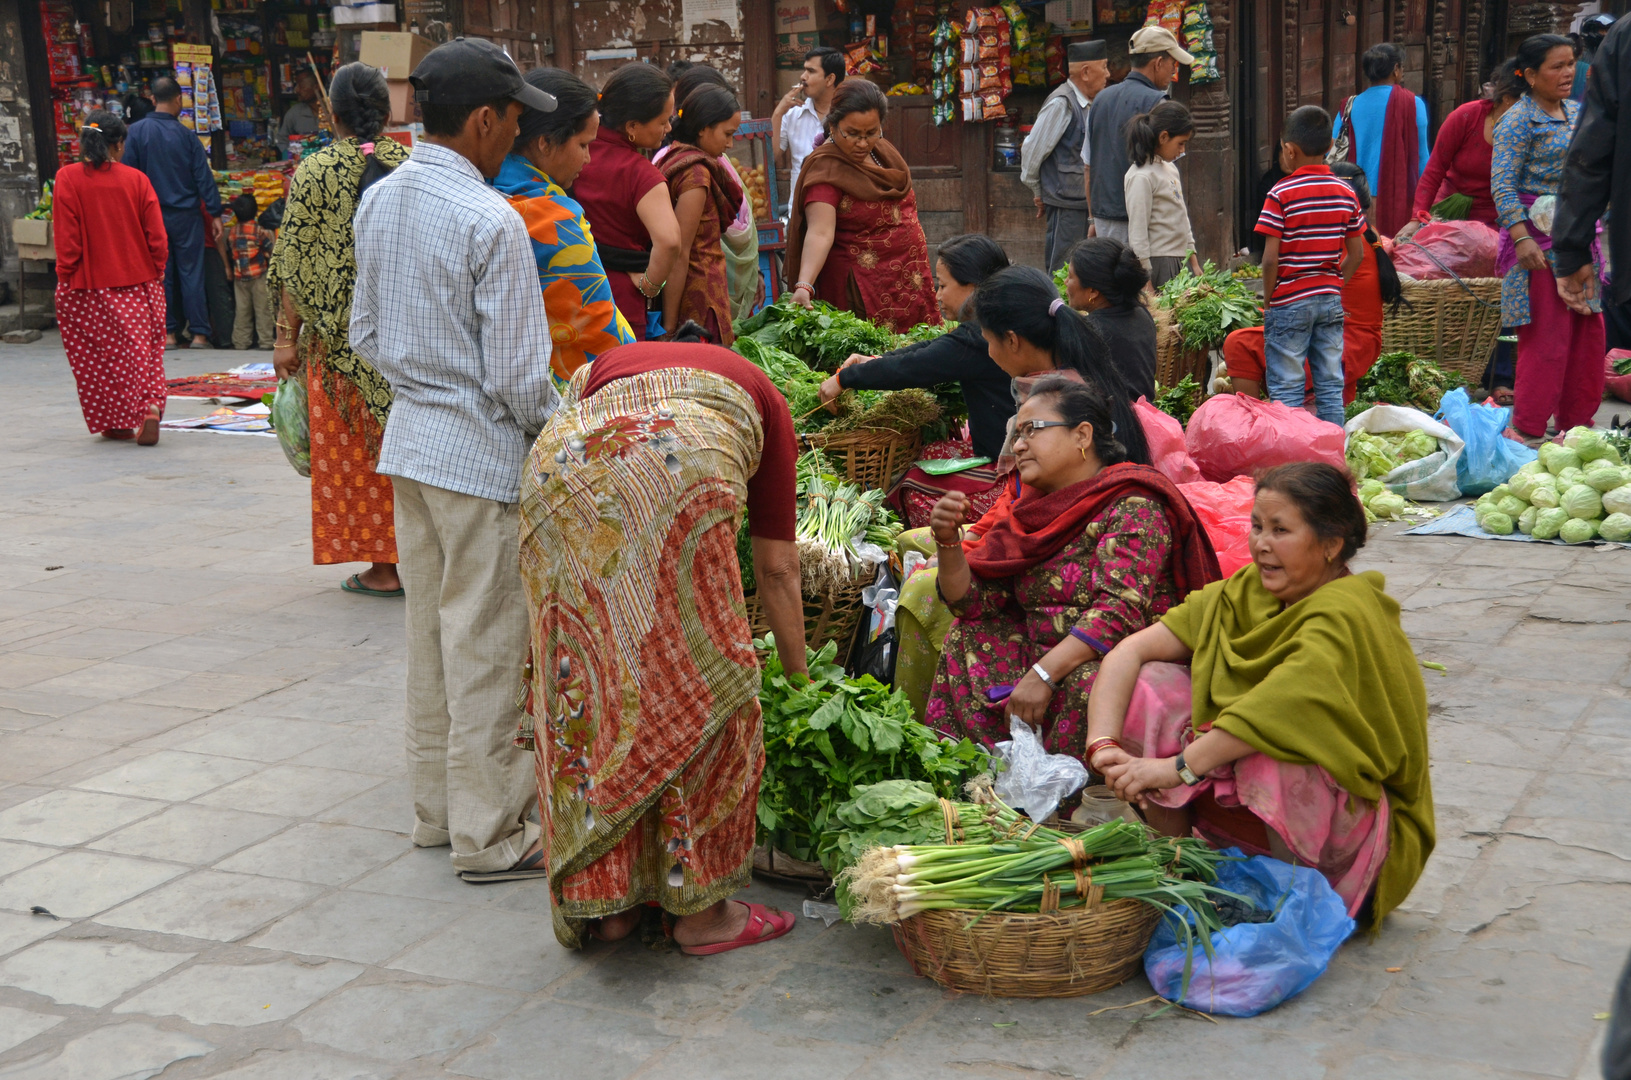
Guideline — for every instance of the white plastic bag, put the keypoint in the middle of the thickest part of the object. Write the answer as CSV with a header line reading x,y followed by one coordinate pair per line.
x,y
1428,479
1032,779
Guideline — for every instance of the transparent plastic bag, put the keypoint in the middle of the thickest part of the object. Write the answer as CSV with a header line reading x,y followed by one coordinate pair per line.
x,y
1032,779
291,422
1254,965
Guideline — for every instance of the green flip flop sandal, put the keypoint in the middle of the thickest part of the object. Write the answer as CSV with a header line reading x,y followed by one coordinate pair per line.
x,y
353,584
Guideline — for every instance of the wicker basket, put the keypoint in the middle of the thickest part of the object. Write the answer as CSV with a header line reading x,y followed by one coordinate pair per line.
x,y
1065,954
1452,322
870,459
826,618
1172,360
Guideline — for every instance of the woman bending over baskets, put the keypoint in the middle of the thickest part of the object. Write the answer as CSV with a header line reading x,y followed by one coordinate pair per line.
x,y
1299,729
1093,550
643,693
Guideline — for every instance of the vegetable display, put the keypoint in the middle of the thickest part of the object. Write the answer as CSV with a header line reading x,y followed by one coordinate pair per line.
x,y
1402,378
1375,454
1180,401
1207,306
1379,502
1575,491
828,736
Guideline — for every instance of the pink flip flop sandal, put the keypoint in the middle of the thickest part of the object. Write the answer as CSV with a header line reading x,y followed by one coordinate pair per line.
x,y
759,917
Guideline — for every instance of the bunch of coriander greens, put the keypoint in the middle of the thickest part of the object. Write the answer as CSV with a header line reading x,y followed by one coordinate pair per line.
x,y
1208,306
1403,378
829,735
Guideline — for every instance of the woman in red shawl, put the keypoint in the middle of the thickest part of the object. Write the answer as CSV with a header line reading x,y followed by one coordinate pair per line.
x,y
706,200
1095,549
853,236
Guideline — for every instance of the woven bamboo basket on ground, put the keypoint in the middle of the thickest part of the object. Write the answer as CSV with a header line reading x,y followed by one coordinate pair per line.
x,y
1452,322
870,459
1064,954
826,618
1172,360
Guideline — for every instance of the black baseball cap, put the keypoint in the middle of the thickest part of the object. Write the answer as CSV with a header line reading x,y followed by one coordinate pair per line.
x,y
469,71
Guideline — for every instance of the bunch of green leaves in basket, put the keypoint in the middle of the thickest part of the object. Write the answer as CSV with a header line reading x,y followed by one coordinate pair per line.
x,y
1181,401
822,337
828,735
1208,306
1402,378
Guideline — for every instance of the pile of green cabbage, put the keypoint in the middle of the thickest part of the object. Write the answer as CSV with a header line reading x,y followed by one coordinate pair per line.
x,y
1377,453
1575,491
1379,502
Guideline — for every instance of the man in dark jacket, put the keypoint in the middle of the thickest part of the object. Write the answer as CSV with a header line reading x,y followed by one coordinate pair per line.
x,y
1156,57
1596,173
174,160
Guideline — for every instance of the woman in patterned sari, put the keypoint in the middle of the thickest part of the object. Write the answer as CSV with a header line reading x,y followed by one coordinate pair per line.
x,y
310,278
707,198
643,706
549,153
1095,549
853,235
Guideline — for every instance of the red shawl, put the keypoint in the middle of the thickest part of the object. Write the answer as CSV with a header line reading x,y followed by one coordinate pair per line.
x,y
725,191
1393,201
1039,526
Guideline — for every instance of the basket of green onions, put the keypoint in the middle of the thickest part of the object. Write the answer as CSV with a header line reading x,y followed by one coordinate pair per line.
x,y
1021,910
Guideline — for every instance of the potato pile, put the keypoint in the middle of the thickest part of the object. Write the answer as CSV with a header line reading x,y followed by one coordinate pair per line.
x,y
754,181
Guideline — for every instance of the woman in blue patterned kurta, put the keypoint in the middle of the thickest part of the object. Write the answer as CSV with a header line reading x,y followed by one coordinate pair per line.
x,y
1560,353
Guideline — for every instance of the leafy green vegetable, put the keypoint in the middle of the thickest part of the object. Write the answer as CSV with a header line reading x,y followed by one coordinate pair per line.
x,y
1604,475
1411,445
1549,522
1181,401
828,735
823,338
1526,520
1586,442
1616,527
1387,505
1369,456
1622,366
1556,458
1582,502
1206,307
1496,522
1578,531
1618,501
1544,496
1512,506
1402,378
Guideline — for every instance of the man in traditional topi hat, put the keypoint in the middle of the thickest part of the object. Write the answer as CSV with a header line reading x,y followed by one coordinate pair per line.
x,y
1051,157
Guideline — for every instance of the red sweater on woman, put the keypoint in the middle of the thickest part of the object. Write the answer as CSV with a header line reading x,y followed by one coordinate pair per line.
x,y
107,227
1460,163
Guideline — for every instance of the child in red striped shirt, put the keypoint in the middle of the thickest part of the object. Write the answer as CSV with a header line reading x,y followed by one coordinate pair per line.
x,y
1314,229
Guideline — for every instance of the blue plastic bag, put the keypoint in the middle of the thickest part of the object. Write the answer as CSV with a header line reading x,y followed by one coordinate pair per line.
x,y
1489,458
1255,966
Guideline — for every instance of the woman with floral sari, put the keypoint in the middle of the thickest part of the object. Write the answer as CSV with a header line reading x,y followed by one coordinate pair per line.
x,y
550,151
707,197
1299,727
853,235
643,702
310,279
1095,549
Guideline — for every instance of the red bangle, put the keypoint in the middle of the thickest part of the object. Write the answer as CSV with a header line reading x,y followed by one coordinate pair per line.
x,y
1098,744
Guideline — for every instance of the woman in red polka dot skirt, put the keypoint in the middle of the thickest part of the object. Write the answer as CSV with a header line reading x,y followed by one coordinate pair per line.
x,y
111,249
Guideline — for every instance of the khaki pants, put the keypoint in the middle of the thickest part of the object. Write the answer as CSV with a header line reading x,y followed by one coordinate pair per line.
x,y
254,313
467,642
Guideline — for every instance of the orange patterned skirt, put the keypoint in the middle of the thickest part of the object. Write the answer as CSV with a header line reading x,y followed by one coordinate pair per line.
x,y
352,506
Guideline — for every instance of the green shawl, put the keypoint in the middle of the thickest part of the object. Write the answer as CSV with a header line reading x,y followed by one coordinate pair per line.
x,y
315,259
1329,681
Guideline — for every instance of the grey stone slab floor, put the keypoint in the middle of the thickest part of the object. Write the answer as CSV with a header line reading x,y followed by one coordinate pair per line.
x,y
201,775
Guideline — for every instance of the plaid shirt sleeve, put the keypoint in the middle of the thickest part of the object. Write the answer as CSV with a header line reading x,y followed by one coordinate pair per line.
x,y
511,315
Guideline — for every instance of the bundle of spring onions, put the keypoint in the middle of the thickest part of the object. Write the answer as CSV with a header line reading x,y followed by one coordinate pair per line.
x,y
834,518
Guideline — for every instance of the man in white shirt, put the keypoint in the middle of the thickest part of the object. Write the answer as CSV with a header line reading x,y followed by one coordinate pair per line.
x,y
799,116
1050,159
447,308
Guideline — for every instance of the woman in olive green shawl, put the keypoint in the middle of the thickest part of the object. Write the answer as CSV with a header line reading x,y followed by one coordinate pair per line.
x,y
312,273
1300,728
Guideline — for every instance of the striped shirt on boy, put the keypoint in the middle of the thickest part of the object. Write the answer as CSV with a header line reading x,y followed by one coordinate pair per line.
x,y
1312,211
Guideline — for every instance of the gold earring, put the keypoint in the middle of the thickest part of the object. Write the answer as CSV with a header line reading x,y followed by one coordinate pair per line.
x,y
1083,449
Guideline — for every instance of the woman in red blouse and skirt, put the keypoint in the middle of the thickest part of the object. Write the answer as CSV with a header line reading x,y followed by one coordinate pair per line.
x,y
625,199
853,235
706,200
111,249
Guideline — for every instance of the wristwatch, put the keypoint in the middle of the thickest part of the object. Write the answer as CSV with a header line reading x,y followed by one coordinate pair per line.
x,y
1042,673
1185,773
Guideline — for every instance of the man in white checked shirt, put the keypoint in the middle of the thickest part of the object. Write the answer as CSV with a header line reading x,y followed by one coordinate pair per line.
x,y
447,307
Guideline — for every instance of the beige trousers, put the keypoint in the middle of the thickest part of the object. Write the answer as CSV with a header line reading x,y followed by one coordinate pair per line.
x,y
467,642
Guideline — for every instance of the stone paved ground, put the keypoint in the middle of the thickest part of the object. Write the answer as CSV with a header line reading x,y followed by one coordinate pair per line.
x,y
201,775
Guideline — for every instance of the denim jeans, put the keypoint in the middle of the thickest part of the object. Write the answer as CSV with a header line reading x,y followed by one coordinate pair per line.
x,y
1308,329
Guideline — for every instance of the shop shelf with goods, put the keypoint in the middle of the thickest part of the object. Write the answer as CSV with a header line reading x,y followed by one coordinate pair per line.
x,y
755,160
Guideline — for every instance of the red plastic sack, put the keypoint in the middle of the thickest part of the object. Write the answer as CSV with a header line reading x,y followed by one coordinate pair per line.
x,y
1225,511
1465,248
1618,385
1234,435
1166,438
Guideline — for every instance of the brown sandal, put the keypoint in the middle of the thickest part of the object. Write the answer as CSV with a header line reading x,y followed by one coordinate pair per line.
x,y
150,428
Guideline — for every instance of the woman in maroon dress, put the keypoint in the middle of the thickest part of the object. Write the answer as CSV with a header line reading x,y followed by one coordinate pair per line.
x,y
111,250
624,197
853,235
707,198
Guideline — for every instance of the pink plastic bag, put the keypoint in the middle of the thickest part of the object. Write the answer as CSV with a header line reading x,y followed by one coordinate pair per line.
x,y
1166,438
1465,248
1225,511
1234,435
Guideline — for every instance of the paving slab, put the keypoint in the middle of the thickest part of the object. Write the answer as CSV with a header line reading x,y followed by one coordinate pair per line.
x,y
89,971
241,994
